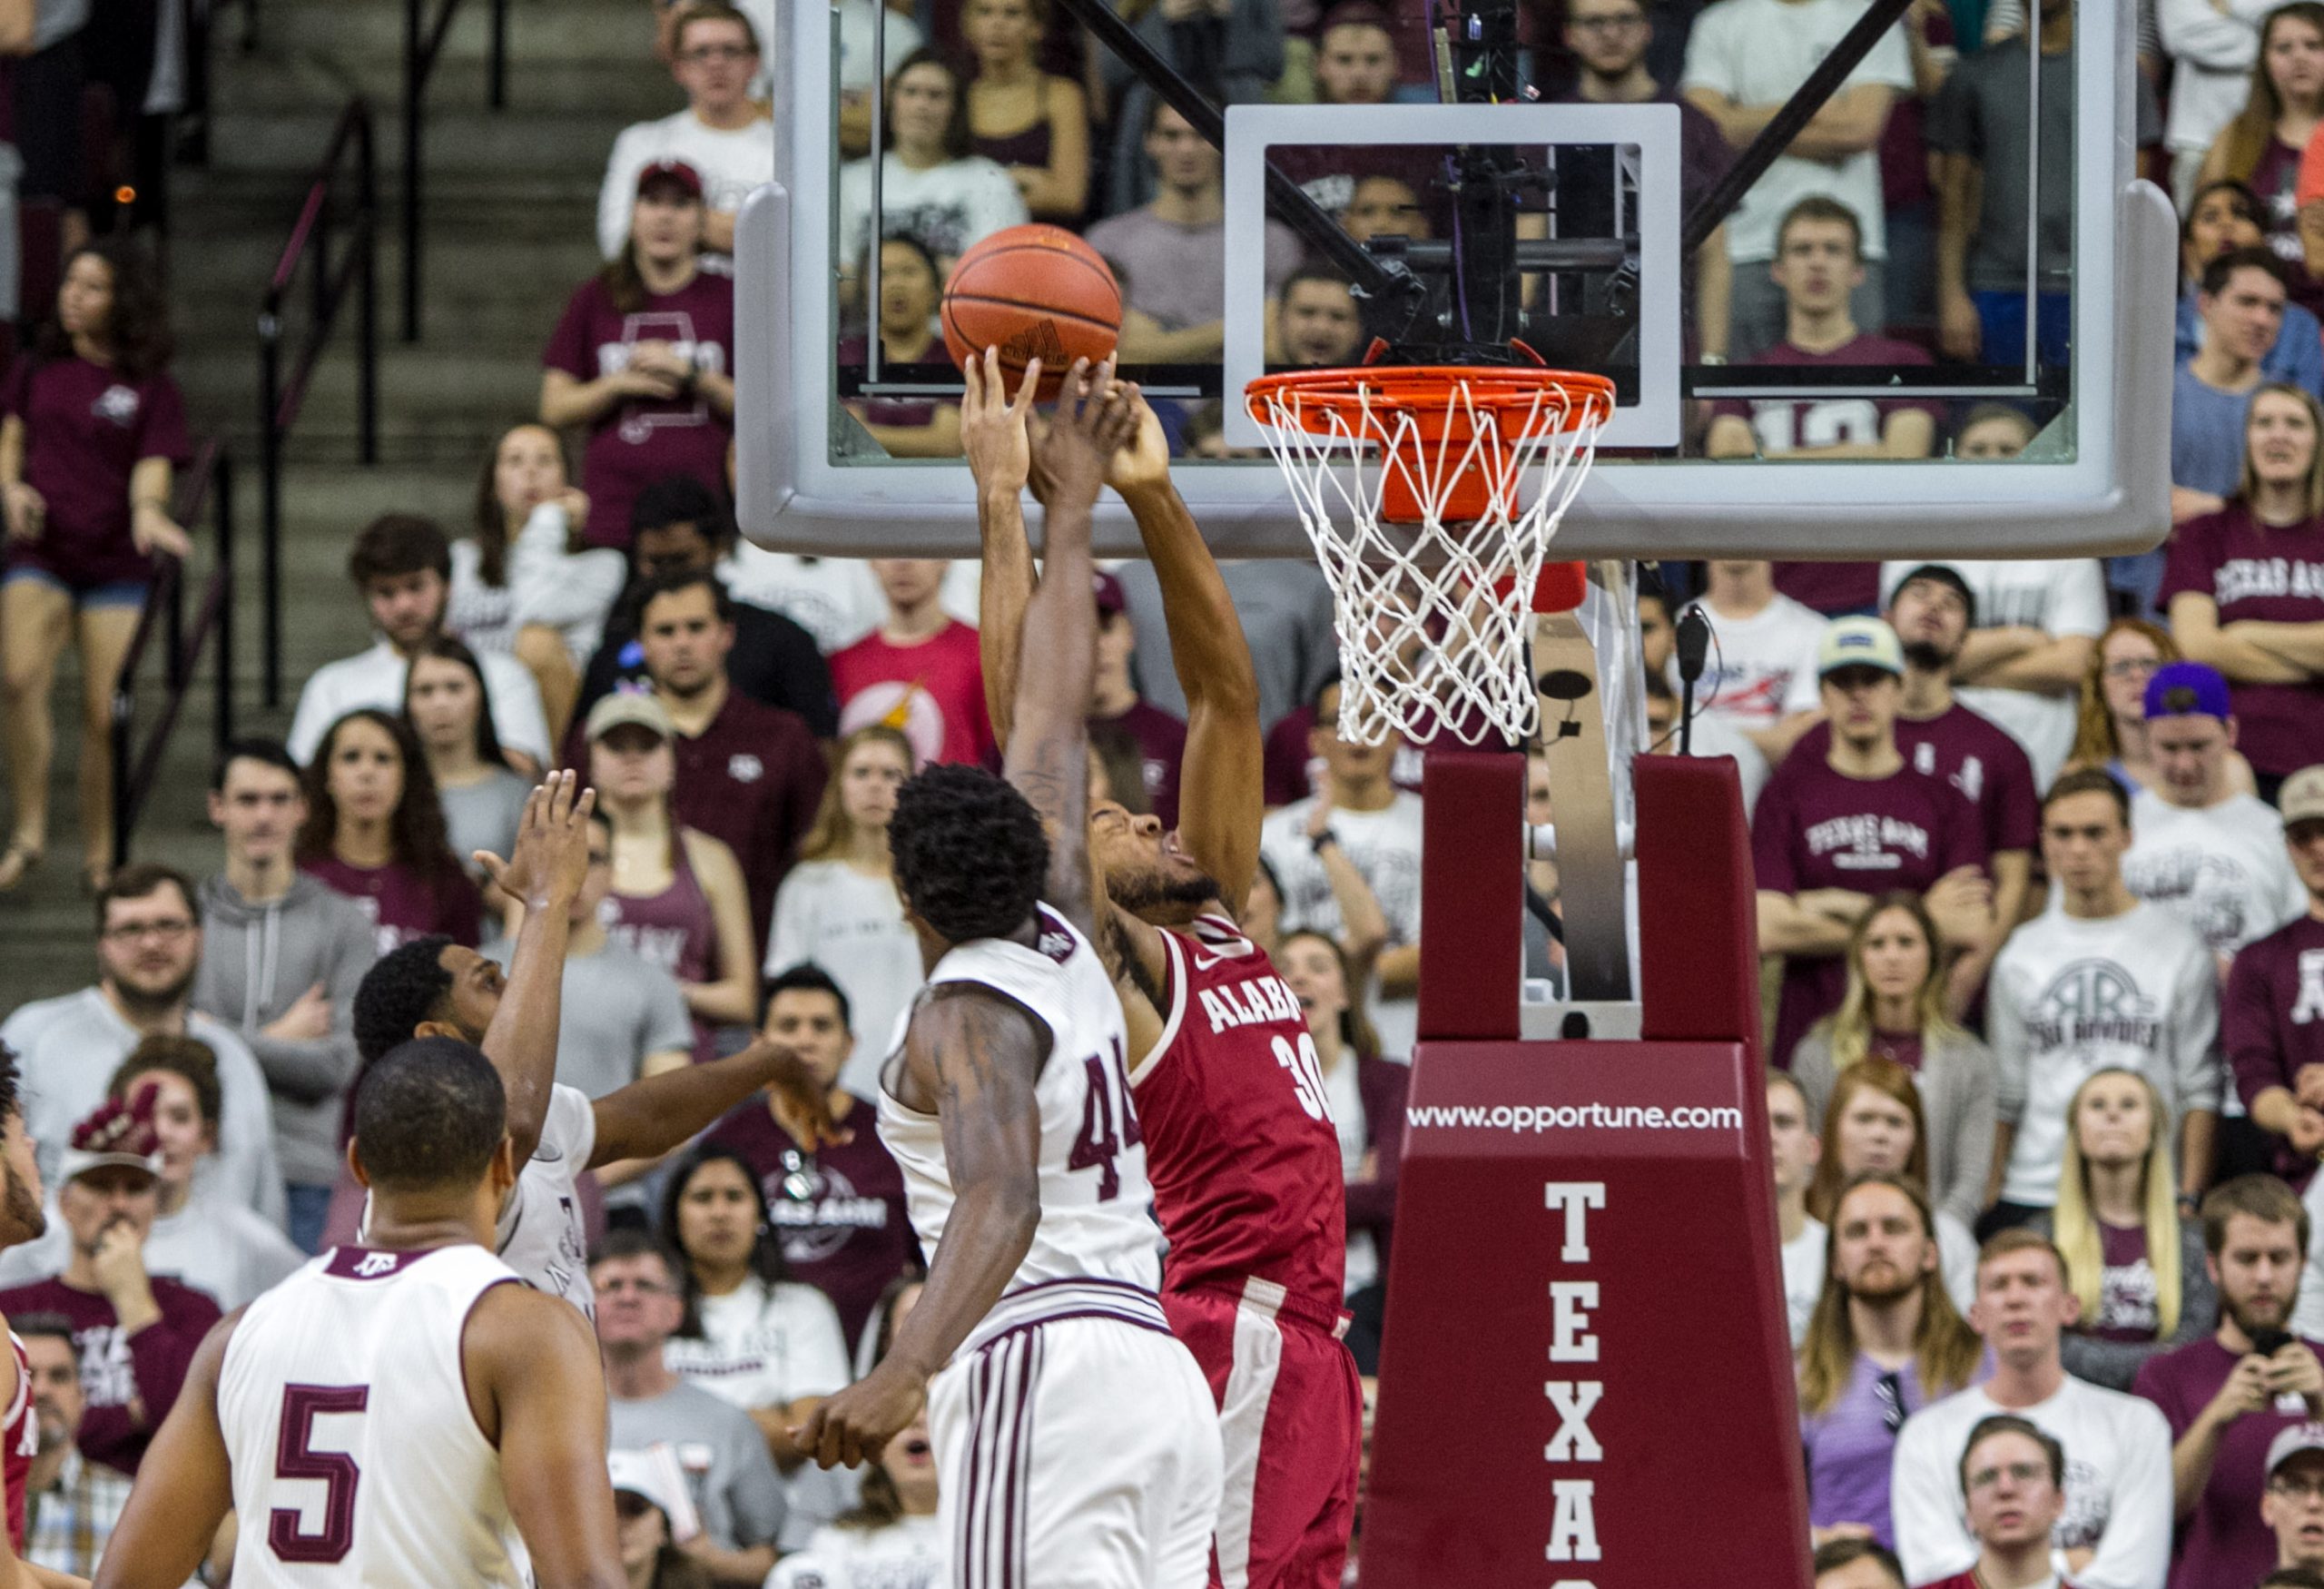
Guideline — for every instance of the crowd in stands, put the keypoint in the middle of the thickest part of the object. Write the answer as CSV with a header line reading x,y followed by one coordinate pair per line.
x,y
2039,844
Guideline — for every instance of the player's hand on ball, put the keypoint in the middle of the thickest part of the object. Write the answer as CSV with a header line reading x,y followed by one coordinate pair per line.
x,y
1096,417
992,423
856,1425
1143,464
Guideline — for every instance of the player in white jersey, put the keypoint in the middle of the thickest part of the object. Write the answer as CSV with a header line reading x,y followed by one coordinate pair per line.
x,y
431,986
1076,1440
399,1415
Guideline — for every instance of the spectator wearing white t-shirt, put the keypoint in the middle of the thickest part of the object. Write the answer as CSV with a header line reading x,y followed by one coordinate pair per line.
x,y
1794,1150
2104,980
2037,625
722,135
2209,854
1762,661
933,188
2115,1533
1744,59
1376,826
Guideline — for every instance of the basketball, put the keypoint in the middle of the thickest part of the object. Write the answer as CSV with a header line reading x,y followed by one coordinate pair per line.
x,y
1034,291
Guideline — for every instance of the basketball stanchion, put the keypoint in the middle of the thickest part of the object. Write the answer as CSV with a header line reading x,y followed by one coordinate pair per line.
x,y
1585,1203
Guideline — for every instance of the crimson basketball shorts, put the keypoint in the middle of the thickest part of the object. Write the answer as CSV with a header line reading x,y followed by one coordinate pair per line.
x,y
1291,1423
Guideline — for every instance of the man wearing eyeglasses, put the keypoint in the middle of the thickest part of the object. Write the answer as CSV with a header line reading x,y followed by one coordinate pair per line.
x,y
149,947
722,134
2292,1506
2014,1477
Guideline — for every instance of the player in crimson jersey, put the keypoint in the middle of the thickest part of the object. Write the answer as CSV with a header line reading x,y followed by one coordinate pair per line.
x,y
21,1220
1240,1144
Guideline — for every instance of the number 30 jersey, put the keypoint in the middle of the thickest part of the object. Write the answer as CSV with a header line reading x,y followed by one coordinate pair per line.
x,y
1095,1223
1244,1155
357,1459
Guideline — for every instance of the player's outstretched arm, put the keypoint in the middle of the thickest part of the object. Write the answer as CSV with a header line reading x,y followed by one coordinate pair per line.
x,y
538,1394
185,1487
1048,744
1222,777
544,873
653,1115
983,1054
993,435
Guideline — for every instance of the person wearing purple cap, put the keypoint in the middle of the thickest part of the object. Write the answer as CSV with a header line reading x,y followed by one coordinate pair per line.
x,y
722,136
136,1332
1114,699
643,355
2244,585
2209,855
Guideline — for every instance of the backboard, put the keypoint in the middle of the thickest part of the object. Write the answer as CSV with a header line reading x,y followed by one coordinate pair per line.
x,y
1762,453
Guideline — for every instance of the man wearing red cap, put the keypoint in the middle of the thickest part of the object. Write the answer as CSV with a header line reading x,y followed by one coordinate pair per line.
x,y
722,136
136,1332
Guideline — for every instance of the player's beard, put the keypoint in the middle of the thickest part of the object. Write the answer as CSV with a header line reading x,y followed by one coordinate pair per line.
x,y
1141,891
20,1210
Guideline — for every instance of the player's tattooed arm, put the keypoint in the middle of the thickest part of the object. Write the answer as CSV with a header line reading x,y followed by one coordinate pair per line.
x,y
978,1057
995,435
173,1511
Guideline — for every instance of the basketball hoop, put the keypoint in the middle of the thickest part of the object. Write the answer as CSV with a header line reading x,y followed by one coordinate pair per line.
x,y
1410,483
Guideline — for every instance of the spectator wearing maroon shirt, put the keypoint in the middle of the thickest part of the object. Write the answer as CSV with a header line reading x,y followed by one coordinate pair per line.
x,y
2294,1507
1932,610
2272,1021
135,1332
644,356
2014,1476
2227,1397
93,427
375,833
1832,831
748,775
1114,698
838,1212
919,671
1820,260
2244,587
679,526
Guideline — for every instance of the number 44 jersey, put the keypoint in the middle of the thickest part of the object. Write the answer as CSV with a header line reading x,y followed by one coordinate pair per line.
x,y
357,1458
1095,1223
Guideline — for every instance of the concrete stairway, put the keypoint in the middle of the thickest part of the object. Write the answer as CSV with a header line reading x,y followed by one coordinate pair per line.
x,y
510,205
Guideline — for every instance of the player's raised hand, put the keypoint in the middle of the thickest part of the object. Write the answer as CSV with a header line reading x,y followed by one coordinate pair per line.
x,y
550,860
992,424
1143,463
856,1425
1095,418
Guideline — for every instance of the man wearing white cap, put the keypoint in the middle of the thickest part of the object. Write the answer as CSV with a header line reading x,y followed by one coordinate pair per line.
x,y
2294,1505
2272,1020
1833,832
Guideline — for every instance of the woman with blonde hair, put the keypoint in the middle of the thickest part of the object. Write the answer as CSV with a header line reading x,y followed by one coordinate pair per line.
x,y
2110,730
2135,1264
2262,631
1874,1125
1895,1011
839,907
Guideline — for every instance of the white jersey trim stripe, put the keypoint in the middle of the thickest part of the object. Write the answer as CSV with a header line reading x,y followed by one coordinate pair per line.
x,y
1242,1428
1173,1018
1052,1301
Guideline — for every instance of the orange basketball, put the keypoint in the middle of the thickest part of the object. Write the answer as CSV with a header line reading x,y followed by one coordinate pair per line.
x,y
1033,291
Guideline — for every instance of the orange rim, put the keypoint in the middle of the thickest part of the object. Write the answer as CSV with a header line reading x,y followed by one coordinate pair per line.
x,y
1424,390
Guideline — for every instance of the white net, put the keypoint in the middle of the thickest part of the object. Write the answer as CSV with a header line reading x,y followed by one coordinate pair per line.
x,y
1435,615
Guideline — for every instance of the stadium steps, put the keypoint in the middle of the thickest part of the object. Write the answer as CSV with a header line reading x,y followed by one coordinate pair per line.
x,y
511,200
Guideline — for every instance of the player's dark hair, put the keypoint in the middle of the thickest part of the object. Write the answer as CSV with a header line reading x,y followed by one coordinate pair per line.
x,y
2220,271
404,987
805,977
267,753
142,880
766,1252
429,1113
32,1326
396,544
970,854
2088,781
1820,207
2011,1423
188,1057
680,499
1834,1554
956,127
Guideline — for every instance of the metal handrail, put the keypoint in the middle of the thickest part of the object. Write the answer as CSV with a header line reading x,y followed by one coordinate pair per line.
x,y
421,48
280,399
209,483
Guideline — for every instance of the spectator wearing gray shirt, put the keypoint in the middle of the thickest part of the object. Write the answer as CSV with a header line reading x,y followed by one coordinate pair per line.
x,y
730,1478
